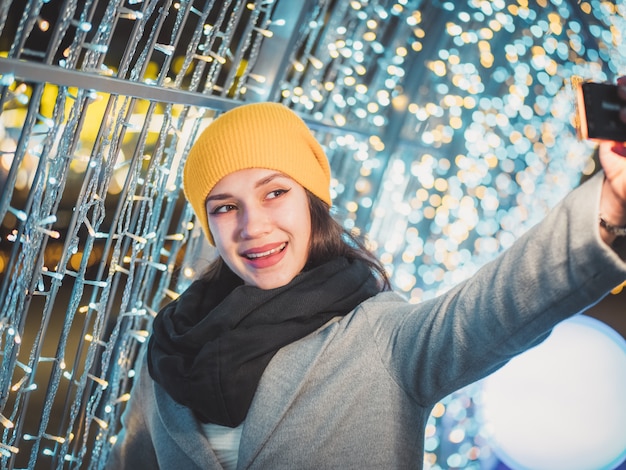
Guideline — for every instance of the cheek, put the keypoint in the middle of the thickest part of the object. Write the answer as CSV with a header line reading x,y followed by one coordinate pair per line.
x,y
305,228
219,231
214,231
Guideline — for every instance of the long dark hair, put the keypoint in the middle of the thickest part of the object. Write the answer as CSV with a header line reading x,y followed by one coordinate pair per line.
x,y
329,240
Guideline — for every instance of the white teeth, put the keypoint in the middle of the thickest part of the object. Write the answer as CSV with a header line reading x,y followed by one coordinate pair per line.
x,y
266,253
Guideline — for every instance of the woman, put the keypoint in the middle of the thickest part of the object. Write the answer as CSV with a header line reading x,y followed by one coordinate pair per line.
x,y
293,353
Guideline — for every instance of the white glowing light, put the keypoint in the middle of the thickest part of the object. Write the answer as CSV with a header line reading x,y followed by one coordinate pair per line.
x,y
561,404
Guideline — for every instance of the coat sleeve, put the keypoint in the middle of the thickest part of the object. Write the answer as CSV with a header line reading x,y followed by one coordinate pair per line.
x,y
134,448
557,269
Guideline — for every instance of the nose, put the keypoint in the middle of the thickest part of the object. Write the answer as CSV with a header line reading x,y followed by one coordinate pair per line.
x,y
254,223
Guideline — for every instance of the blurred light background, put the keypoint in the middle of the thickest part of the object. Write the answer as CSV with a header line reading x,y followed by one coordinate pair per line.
x,y
449,127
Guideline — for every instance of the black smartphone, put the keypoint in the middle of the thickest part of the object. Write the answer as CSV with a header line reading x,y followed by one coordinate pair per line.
x,y
598,112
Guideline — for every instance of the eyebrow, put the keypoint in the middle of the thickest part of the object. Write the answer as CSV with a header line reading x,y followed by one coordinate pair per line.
x,y
258,184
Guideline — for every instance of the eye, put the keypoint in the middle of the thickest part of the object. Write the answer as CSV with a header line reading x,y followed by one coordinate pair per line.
x,y
276,193
223,209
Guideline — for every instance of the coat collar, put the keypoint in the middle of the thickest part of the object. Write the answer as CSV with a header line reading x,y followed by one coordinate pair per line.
x,y
272,401
270,404
184,429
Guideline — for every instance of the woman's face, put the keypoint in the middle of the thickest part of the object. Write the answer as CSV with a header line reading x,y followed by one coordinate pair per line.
x,y
261,225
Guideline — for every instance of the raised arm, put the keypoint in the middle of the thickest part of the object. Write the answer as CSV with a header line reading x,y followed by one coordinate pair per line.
x,y
557,269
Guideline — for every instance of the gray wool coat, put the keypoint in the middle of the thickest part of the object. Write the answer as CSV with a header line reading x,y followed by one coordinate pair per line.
x,y
356,393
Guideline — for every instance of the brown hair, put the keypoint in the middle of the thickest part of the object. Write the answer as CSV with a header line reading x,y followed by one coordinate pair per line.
x,y
329,240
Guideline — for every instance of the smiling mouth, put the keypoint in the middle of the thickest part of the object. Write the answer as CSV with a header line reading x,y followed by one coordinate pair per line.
x,y
273,251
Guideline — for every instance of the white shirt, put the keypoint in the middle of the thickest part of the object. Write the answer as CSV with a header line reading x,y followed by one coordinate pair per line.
x,y
224,442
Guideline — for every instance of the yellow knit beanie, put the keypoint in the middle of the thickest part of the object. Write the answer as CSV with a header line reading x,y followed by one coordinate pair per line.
x,y
259,135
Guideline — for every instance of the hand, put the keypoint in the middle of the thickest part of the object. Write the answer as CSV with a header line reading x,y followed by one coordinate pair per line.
x,y
613,160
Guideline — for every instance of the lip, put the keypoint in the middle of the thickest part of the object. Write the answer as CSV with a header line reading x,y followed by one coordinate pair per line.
x,y
265,256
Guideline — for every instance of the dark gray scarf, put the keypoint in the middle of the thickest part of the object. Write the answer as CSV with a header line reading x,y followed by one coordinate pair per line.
x,y
210,347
